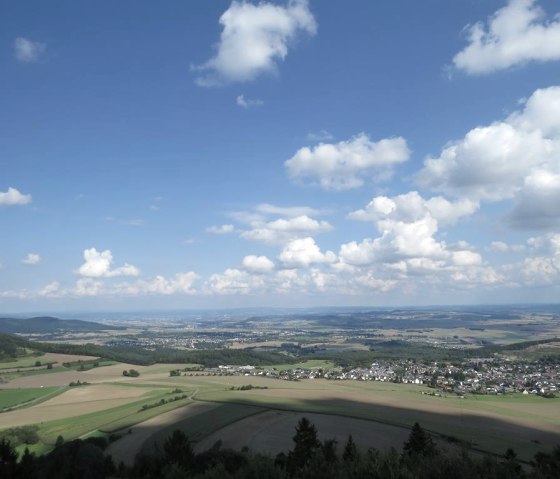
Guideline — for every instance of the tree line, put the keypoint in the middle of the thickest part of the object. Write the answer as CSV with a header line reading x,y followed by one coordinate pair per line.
x,y
309,458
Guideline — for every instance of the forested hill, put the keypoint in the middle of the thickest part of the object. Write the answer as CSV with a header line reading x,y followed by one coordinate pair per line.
x,y
47,324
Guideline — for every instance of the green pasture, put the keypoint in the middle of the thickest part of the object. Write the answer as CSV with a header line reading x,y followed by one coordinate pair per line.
x,y
310,364
109,420
5,377
21,362
10,398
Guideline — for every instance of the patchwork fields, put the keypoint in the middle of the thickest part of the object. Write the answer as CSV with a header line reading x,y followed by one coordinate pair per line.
x,y
143,410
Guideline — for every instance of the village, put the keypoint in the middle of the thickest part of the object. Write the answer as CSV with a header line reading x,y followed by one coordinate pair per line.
x,y
475,376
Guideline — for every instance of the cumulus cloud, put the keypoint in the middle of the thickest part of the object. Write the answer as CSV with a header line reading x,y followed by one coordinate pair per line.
x,y
412,206
221,230
499,247
514,35
537,205
31,259
88,287
180,283
27,51
517,158
303,252
254,38
235,281
98,265
542,266
248,103
344,165
408,245
257,264
282,230
13,197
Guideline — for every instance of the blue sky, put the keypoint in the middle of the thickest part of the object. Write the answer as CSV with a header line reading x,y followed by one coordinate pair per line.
x,y
289,153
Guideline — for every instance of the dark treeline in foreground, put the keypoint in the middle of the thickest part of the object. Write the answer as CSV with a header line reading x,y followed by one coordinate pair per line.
x,y
308,459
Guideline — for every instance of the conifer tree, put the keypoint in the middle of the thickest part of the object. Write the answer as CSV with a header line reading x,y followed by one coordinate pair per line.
x,y
419,443
305,445
350,450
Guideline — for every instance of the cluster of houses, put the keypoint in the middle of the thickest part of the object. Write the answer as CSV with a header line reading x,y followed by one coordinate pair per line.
x,y
478,376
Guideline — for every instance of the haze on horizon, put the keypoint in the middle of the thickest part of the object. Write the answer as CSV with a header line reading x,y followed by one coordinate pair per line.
x,y
286,153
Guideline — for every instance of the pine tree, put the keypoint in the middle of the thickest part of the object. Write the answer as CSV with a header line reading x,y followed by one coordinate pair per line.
x,y
419,442
178,449
350,450
305,445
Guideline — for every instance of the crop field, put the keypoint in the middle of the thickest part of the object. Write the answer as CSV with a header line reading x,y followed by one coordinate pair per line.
x,y
483,422
376,413
271,432
126,448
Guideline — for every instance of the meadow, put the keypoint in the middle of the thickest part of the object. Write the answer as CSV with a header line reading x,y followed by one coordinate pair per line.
x,y
139,412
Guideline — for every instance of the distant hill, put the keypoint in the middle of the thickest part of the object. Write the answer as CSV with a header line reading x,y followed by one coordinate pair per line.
x,y
47,324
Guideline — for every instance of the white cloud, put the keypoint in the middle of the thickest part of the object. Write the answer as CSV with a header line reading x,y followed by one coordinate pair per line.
x,y
180,283
235,281
466,258
538,204
518,158
98,265
322,135
499,247
221,230
408,246
290,211
543,266
51,290
410,206
27,51
88,287
516,34
343,165
248,103
31,259
257,264
254,38
13,197
303,252
282,230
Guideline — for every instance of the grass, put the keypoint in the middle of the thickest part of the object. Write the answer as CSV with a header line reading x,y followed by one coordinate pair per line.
x,y
387,403
109,420
5,377
310,364
21,362
11,398
448,416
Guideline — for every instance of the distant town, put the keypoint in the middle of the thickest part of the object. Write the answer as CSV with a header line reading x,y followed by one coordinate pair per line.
x,y
475,376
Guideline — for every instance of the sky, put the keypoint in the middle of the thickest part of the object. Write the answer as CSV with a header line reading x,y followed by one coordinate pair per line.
x,y
293,153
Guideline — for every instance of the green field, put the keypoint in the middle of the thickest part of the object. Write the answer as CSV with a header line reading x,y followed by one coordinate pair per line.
x,y
21,362
310,364
103,422
527,423
10,398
